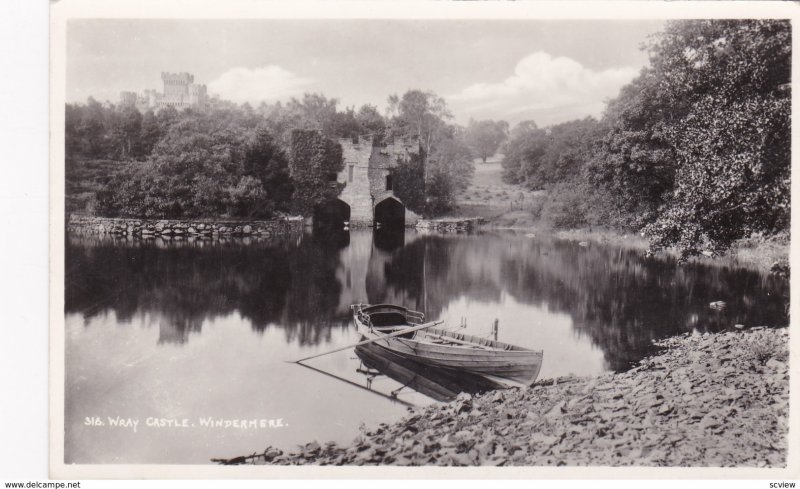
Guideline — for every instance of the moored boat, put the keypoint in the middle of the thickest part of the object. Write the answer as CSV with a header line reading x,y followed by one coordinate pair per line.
x,y
440,384
495,360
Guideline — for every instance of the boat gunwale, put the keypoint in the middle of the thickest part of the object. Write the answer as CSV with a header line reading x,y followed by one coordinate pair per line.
x,y
524,374
495,346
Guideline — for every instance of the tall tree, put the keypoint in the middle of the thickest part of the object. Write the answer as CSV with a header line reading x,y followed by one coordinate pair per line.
x,y
265,162
636,160
452,160
150,133
420,114
126,128
314,162
485,137
92,128
371,122
527,145
445,161
731,138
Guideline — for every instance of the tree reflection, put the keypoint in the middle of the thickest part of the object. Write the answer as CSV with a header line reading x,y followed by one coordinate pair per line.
x,y
619,299
291,285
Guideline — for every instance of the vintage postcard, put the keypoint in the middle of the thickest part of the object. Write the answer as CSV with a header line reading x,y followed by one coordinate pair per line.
x,y
430,239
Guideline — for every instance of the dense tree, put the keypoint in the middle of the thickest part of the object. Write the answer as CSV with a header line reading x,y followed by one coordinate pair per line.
x,y
201,162
205,165
420,114
731,137
150,133
314,163
544,157
265,163
73,140
409,183
423,116
527,143
485,137
126,132
452,160
635,161
92,128
371,121
694,151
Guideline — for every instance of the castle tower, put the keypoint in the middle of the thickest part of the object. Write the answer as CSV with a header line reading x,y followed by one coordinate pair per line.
x,y
180,92
176,85
198,95
128,98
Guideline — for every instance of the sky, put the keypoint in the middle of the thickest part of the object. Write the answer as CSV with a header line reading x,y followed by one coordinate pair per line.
x,y
541,70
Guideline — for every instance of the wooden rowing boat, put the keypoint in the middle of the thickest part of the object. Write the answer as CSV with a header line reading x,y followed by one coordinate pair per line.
x,y
440,384
497,361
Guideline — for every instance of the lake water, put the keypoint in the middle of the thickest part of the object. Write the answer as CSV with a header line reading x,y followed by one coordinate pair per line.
x,y
179,332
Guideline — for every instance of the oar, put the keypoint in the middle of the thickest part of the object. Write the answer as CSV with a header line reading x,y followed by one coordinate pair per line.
x,y
396,333
391,398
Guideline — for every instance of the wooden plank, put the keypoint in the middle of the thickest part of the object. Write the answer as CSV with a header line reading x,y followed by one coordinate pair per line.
x,y
456,340
381,337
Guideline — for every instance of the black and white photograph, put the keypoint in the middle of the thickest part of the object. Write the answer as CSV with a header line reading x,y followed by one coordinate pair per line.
x,y
507,241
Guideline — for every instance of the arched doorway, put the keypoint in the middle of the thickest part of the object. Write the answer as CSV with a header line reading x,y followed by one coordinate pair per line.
x,y
390,214
332,216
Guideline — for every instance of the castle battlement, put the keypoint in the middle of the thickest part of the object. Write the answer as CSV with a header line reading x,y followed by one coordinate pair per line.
x,y
179,92
177,78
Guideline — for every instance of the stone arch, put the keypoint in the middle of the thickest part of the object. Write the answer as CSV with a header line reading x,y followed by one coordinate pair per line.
x,y
333,215
390,213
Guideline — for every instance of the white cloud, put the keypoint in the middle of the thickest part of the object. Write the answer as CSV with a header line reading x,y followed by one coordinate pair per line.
x,y
540,86
268,83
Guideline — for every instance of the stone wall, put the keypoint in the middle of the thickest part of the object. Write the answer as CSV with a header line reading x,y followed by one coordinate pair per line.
x,y
182,228
356,191
370,165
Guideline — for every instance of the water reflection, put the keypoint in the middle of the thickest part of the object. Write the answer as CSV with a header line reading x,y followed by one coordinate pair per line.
x,y
617,298
291,284
189,328
436,383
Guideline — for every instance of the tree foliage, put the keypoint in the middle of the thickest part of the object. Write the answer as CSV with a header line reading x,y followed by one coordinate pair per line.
x,y
555,154
420,114
409,183
452,161
445,161
203,166
314,163
731,139
526,143
694,151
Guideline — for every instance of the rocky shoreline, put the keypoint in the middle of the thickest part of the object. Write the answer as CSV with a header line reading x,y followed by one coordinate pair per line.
x,y
719,400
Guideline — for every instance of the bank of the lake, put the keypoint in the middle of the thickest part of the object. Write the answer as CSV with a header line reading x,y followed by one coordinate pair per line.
x,y
504,206
766,254
756,253
704,400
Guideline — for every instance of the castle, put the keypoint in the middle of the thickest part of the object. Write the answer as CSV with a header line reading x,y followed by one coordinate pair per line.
x,y
180,92
368,196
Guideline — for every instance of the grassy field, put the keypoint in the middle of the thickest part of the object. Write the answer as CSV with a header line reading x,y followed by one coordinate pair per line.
x,y
489,197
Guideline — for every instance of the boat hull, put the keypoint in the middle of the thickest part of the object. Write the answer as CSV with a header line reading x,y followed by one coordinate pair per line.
x,y
494,360
440,384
